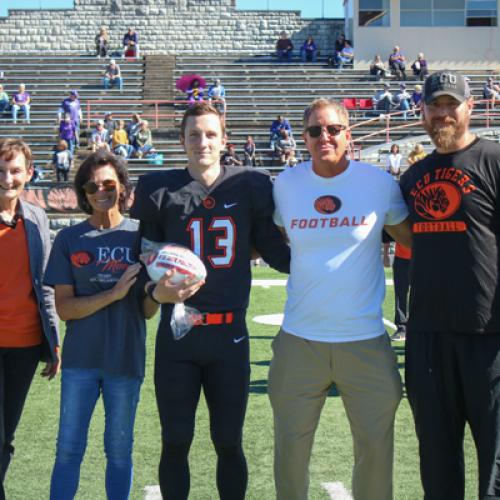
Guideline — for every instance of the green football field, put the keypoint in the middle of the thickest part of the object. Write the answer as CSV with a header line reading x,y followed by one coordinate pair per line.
x,y
29,475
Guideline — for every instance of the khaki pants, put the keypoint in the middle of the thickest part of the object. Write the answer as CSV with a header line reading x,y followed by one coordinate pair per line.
x,y
366,375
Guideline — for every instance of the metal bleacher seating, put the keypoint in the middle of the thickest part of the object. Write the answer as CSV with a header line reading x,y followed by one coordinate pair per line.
x,y
258,89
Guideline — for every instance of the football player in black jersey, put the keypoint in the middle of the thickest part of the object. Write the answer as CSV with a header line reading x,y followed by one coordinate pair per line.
x,y
221,213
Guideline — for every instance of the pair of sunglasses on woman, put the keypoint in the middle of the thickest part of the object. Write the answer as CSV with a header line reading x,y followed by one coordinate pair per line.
x,y
108,185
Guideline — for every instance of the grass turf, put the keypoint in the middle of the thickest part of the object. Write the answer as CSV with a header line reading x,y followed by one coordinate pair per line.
x,y
29,475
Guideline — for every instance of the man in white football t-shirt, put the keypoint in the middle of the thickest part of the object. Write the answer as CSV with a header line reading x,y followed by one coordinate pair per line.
x,y
333,211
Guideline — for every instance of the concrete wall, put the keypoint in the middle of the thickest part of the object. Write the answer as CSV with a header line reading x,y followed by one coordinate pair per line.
x,y
444,47
164,26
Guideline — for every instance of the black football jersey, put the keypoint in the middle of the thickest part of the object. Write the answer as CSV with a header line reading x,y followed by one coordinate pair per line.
x,y
220,223
453,201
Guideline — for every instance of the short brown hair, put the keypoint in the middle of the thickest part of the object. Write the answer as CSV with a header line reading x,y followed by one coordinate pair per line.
x,y
200,109
338,107
11,147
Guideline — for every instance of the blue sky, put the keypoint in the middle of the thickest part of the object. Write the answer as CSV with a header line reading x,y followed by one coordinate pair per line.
x,y
309,8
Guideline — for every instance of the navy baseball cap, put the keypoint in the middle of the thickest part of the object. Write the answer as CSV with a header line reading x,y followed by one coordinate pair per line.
x,y
446,83
74,92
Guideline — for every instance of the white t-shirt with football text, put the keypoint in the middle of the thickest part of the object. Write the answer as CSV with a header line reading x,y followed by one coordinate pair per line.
x,y
337,284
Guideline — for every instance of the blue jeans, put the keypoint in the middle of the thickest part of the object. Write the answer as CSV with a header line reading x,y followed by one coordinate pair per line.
x,y
25,108
108,83
285,54
80,390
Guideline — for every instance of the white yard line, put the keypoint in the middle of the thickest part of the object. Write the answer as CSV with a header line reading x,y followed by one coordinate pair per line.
x,y
337,491
269,283
277,320
152,493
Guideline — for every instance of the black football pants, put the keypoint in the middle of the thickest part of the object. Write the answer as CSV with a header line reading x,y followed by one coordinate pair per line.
x,y
217,359
452,379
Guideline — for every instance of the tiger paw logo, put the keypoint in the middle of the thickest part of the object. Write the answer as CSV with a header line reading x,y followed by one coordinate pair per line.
x,y
327,204
82,258
208,202
438,200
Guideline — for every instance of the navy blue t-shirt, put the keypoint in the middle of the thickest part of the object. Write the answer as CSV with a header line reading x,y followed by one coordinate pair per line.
x,y
93,260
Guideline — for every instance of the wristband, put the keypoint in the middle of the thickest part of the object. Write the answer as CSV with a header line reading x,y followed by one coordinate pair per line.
x,y
149,292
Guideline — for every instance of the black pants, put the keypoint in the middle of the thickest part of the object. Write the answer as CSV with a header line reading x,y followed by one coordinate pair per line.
x,y
399,69
17,367
452,379
401,274
62,174
217,359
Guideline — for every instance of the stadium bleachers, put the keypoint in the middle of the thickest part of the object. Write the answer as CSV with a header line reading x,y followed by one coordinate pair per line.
x,y
258,89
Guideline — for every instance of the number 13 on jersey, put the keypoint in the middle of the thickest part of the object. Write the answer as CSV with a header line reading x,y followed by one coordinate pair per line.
x,y
223,230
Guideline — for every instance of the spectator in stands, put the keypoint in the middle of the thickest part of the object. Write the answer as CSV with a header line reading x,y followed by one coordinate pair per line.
x,y
339,45
113,76
491,90
38,174
109,123
194,93
130,44
419,67
120,143
340,42
416,99
102,42
67,132
383,100
308,50
397,63
393,163
100,137
377,68
284,48
416,154
71,105
144,140
4,100
403,100
230,157
217,92
62,161
249,152
345,56
29,326
284,147
279,124
133,128
21,101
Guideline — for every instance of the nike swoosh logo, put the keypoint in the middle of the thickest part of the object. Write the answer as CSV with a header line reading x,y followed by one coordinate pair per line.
x,y
229,205
239,339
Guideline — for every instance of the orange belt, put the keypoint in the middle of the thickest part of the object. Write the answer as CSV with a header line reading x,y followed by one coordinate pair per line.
x,y
214,319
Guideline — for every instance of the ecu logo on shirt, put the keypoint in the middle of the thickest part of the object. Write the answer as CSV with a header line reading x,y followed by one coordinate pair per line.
x,y
82,258
327,204
437,202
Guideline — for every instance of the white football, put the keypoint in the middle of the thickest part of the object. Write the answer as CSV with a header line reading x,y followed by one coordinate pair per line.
x,y
184,264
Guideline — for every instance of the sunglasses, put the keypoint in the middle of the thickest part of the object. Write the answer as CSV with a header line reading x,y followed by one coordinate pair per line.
x,y
315,130
91,187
